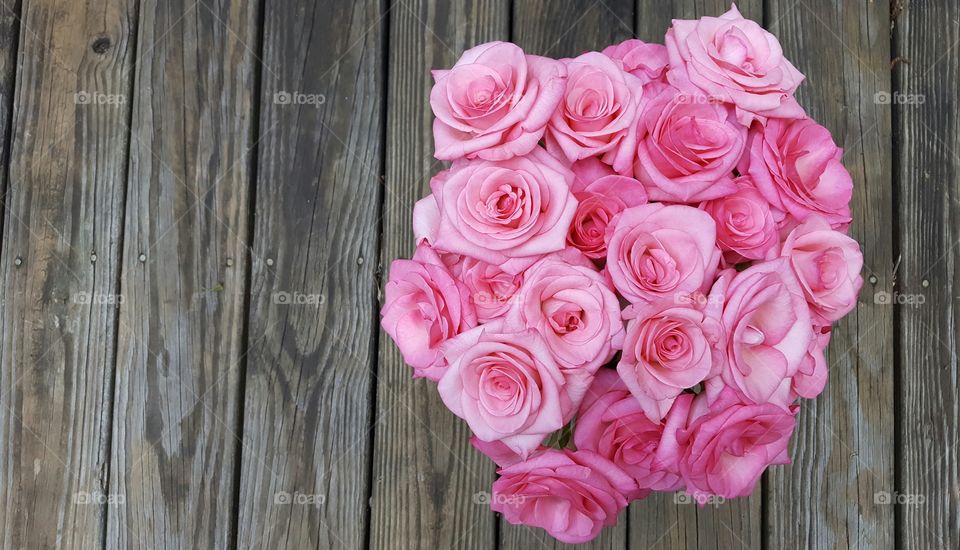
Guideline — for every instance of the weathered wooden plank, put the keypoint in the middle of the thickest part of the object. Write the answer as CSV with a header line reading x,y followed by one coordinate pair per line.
x,y
928,491
307,412
9,32
843,448
558,29
567,28
183,278
58,273
674,521
428,480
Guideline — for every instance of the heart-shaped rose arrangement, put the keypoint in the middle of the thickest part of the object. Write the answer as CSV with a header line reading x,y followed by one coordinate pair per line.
x,y
627,277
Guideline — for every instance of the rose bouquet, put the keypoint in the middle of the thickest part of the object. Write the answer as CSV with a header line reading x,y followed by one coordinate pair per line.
x,y
626,279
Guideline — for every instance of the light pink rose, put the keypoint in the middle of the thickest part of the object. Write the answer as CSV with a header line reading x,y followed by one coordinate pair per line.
x,y
570,494
599,202
612,424
570,304
734,60
728,444
517,209
797,167
828,265
656,252
746,227
768,332
491,289
671,350
506,386
641,59
687,147
494,103
423,307
598,113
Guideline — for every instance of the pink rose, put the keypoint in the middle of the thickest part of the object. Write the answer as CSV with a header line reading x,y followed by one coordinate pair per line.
x,y
497,211
570,304
797,167
669,351
828,265
612,424
498,452
729,444
599,203
656,252
734,60
768,332
644,61
506,386
598,113
570,494
746,227
494,103
688,147
811,377
491,289
423,307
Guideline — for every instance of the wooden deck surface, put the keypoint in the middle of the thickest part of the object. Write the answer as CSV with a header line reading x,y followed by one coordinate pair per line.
x,y
200,198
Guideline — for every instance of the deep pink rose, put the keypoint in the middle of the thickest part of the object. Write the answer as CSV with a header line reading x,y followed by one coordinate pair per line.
x,y
641,59
728,444
734,60
746,227
656,252
598,113
423,307
570,494
612,424
797,167
598,203
494,103
670,350
828,265
491,289
768,332
687,147
497,211
570,304
507,386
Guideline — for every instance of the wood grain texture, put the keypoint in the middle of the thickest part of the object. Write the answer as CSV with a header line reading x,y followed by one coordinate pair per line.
x,y
63,209
559,29
9,33
183,277
928,153
308,405
672,521
843,447
430,485
567,28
